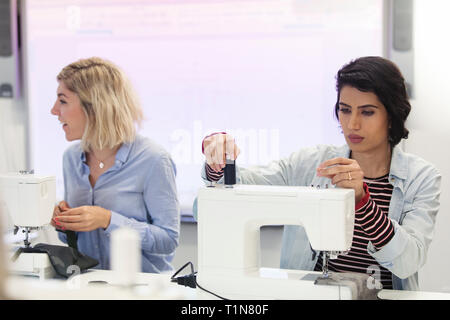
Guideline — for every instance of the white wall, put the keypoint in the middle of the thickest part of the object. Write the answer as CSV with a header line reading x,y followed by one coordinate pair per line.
x,y
12,139
12,135
429,124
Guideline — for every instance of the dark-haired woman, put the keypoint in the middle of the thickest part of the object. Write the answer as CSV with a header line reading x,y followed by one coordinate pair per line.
x,y
396,193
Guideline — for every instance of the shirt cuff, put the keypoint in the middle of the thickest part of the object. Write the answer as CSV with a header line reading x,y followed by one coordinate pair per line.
x,y
211,175
389,252
205,176
364,199
117,221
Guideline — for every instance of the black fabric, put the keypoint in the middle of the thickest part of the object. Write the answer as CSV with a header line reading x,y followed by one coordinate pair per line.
x,y
71,236
62,258
72,239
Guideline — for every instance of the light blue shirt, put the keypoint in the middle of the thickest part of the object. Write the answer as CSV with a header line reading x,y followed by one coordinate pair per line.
x,y
412,210
139,190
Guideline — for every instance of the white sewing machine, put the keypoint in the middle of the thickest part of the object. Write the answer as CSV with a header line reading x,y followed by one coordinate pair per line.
x,y
229,221
28,199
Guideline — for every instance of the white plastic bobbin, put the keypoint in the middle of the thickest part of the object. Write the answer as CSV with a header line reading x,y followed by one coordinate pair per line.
x,y
125,255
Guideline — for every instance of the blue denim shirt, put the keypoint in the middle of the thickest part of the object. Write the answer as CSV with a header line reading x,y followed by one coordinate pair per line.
x,y
413,209
139,190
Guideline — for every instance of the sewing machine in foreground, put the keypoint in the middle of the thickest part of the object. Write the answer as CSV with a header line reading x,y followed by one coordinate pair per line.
x,y
28,199
229,222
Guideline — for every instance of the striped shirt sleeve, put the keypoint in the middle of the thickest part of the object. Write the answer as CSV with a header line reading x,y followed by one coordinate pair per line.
x,y
212,175
375,223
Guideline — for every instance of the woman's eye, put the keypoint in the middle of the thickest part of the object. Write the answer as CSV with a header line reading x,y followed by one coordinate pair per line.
x,y
367,112
62,101
344,110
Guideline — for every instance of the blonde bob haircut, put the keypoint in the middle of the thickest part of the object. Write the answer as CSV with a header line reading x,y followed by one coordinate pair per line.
x,y
108,100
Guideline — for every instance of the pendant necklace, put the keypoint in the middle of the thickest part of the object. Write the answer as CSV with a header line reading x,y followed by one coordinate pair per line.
x,y
101,163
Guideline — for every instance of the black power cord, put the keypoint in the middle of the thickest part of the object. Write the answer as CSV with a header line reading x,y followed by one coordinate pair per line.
x,y
187,280
190,280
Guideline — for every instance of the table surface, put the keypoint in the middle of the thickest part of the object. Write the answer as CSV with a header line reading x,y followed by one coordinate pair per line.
x,y
97,285
100,285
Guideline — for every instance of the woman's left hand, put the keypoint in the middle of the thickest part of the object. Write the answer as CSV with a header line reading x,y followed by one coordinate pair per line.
x,y
85,218
344,173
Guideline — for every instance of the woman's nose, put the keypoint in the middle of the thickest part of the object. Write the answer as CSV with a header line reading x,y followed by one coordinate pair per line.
x,y
54,110
354,122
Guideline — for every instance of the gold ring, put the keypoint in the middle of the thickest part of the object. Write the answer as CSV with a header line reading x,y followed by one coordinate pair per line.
x,y
349,176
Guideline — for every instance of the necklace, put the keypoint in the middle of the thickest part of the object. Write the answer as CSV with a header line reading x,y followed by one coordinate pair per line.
x,y
101,163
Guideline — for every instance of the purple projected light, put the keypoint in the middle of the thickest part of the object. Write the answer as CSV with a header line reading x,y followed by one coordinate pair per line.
x,y
260,70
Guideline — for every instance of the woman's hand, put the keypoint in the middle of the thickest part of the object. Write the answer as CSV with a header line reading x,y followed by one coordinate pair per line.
x,y
344,173
216,147
85,218
61,207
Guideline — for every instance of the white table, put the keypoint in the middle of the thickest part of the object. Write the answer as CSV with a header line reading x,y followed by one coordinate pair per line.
x,y
97,285
100,285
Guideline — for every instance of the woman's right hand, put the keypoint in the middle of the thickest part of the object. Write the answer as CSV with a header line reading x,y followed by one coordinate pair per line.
x,y
61,207
217,148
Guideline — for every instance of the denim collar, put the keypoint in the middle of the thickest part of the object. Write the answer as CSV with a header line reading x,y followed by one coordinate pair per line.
x,y
399,163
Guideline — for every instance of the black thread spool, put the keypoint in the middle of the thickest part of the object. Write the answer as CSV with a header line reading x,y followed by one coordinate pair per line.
x,y
230,173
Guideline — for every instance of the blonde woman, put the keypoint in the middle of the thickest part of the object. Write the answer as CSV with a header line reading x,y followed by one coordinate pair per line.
x,y
113,177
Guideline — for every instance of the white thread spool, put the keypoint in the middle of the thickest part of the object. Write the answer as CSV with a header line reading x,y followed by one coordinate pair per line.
x,y
125,255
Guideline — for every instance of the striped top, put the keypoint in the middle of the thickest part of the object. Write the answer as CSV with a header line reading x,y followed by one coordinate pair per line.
x,y
371,224
211,175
